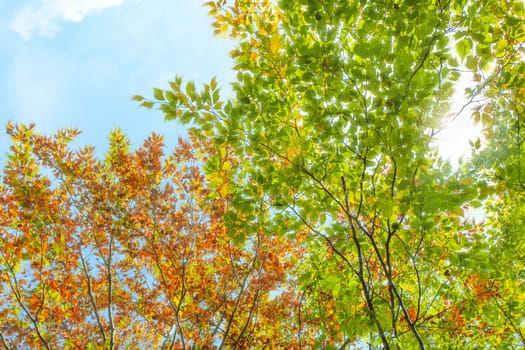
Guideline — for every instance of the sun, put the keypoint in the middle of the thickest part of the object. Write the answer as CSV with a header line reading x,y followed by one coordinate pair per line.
x,y
453,141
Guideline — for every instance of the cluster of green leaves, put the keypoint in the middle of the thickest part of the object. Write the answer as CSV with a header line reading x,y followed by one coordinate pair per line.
x,y
499,166
335,108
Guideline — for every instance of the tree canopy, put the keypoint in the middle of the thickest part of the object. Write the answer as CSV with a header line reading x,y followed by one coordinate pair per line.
x,y
308,210
333,117
127,252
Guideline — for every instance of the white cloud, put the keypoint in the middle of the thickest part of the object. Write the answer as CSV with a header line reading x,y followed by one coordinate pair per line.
x,y
43,18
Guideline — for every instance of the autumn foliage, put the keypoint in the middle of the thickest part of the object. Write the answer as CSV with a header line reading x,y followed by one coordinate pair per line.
x,y
310,209
131,252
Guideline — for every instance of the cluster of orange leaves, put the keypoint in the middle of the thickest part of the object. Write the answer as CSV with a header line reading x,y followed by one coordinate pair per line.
x,y
131,252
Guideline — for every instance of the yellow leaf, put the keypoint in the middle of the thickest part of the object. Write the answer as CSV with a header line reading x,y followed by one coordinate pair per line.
x,y
275,44
254,43
253,56
223,190
223,28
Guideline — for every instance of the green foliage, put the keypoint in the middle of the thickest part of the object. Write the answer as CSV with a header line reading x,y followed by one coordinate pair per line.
x,y
333,118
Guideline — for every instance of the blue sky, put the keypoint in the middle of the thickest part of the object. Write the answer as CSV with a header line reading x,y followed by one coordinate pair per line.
x,y
76,63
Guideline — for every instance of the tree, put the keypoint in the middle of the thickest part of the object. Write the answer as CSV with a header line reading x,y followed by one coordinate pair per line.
x,y
130,251
499,166
333,117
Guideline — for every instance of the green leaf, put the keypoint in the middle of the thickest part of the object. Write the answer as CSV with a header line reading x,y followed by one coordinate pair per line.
x,y
190,89
158,94
147,104
464,48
